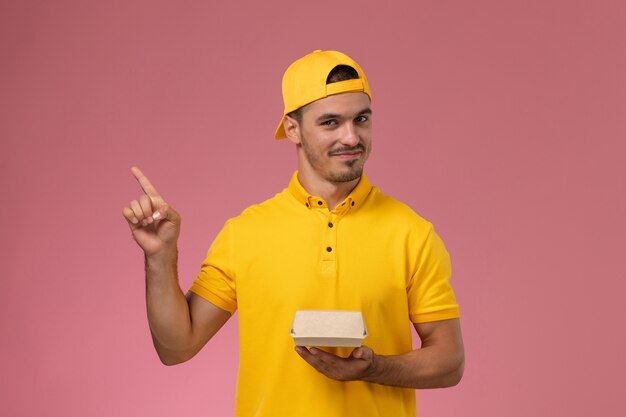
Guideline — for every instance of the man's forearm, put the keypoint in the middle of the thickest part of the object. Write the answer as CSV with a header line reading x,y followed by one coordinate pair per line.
x,y
168,311
428,367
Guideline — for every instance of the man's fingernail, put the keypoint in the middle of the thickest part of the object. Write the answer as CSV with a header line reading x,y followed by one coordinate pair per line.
x,y
156,216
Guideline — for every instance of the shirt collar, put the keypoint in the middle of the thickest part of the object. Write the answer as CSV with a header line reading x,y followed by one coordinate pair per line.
x,y
353,200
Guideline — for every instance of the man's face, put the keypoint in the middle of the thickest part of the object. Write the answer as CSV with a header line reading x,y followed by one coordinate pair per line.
x,y
335,137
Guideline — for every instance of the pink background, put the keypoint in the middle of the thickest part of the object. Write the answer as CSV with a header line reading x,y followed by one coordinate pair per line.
x,y
503,122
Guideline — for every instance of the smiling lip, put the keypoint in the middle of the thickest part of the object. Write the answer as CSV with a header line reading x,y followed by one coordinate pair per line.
x,y
347,155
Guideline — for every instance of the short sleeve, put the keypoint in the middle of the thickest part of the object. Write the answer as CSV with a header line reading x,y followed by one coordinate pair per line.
x,y
216,280
430,294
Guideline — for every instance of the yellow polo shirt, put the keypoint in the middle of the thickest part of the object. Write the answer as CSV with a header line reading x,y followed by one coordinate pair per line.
x,y
371,253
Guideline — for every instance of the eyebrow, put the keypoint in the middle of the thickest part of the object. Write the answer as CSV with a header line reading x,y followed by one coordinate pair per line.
x,y
327,116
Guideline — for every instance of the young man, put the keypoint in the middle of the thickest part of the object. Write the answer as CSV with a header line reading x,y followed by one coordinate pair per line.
x,y
329,241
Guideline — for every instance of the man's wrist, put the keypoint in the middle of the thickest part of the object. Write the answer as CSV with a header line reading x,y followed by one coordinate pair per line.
x,y
375,369
165,259
168,251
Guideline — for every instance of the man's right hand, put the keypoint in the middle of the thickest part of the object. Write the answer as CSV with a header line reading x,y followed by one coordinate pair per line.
x,y
155,226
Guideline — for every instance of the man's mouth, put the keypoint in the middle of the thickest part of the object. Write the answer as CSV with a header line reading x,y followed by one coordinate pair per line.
x,y
348,153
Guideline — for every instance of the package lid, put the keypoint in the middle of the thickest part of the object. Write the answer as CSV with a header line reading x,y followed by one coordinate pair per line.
x,y
339,328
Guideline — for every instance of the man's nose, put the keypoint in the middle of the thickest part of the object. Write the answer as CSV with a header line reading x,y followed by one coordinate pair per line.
x,y
349,135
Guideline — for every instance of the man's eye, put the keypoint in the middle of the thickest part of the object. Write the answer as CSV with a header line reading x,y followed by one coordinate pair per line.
x,y
361,119
328,122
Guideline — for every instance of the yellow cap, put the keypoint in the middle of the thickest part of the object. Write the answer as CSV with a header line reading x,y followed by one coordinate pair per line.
x,y
305,81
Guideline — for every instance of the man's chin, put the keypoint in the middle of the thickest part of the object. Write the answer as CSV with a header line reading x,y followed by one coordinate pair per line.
x,y
350,175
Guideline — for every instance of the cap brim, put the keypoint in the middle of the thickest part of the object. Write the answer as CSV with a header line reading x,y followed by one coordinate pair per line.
x,y
280,130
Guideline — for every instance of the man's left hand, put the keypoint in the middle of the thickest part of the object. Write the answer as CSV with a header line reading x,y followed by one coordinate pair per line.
x,y
358,366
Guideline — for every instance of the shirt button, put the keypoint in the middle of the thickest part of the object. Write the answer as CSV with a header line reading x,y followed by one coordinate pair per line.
x,y
319,203
330,225
329,249
306,204
353,203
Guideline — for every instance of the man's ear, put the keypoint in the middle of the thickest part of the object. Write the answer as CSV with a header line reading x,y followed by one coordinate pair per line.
x,y
292,129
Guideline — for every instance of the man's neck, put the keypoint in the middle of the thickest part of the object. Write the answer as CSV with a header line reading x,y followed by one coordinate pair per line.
x,y
332,192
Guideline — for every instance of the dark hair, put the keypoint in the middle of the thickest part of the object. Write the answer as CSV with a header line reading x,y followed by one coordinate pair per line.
x,y
339,73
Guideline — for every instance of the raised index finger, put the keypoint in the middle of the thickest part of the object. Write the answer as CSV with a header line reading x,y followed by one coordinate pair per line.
x,y
145,184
